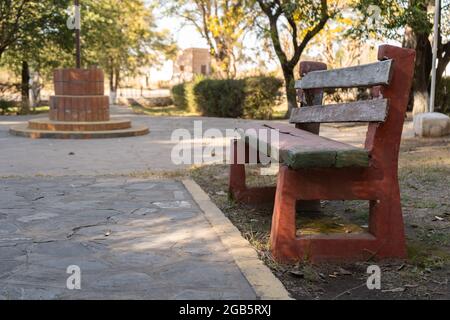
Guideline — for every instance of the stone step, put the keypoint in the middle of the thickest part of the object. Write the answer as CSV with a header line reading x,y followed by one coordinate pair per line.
x,y
24,131
50,125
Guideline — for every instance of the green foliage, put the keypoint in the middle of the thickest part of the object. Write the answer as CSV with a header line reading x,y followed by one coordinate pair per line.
x,y
251,98
222,23
191,97
220,98
38,34
121,36
261,94
394,15
6,106
179,96
443,95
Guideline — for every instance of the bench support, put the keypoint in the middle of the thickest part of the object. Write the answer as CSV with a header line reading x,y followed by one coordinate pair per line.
x,y
384,239
378,184
240,192
238,189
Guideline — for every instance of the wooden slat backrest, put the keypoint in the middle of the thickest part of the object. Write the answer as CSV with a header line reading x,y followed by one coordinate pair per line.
x,y
360,111
378,73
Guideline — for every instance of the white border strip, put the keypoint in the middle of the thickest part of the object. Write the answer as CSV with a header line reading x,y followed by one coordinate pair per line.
x,y
265,284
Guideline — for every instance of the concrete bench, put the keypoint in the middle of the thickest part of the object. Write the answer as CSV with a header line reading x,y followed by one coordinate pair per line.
x,y
314,168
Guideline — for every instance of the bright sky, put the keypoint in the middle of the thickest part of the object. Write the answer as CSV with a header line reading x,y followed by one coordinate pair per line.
x,y
186,36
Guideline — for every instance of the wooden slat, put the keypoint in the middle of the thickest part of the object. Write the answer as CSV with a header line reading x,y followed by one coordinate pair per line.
x,y
360,111
301,149
378,73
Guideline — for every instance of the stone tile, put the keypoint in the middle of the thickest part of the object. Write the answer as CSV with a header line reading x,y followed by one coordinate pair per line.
x,y
132,239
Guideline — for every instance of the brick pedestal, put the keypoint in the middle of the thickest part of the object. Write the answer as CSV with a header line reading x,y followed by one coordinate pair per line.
x,y
79,110
79,96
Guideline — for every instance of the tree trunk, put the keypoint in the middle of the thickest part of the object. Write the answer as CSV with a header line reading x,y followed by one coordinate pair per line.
x,y
117,79
291,94
112,91
25,89
422,69
443,61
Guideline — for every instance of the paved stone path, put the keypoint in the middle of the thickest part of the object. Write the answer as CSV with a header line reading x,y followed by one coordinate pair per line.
x,y
132,239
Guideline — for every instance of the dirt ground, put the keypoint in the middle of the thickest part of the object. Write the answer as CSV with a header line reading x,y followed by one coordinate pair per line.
x,y
424,173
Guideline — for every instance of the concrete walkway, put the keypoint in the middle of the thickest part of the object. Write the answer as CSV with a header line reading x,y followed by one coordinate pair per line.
x,y
131,238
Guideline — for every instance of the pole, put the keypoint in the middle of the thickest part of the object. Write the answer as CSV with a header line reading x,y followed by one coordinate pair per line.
x,y
435,50
77,33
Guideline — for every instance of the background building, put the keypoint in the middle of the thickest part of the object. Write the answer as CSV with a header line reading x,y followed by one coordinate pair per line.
x,y
191,62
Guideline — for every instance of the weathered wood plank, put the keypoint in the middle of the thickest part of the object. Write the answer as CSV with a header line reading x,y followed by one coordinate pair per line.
x,y
301,149
378,73
359,111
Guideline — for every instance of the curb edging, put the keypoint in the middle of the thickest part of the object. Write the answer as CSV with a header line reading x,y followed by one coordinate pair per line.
x,y
262,280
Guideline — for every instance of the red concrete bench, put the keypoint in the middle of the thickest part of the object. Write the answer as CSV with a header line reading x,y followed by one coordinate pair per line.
x,y
314,168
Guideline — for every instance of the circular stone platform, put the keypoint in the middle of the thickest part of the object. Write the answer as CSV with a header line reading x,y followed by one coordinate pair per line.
x,y
44,128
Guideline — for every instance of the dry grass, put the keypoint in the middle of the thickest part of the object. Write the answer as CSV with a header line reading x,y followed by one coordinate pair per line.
x,y
424,174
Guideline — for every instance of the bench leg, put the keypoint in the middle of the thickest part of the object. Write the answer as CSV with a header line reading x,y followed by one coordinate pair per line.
x,y
237,187
283,232
386,224
385,238
239,191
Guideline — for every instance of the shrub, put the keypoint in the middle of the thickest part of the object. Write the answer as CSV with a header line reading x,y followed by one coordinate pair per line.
x,y
179,96
252,98
261,94
220,98
6,106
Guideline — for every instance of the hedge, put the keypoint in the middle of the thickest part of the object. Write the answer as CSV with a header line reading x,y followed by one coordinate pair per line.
x,y
178,96
251,98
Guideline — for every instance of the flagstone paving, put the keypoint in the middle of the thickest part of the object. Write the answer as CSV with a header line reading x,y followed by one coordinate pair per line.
x,y
131,238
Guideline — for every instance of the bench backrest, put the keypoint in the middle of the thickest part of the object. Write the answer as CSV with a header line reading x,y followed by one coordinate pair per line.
x,y
390,78
369,75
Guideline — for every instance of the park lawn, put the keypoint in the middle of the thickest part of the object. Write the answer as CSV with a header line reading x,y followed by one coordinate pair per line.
x,y
279,111
36,110
163,111
424,173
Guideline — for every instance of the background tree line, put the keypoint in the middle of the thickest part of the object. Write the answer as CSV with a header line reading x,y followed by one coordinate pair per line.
x,y
118,36
121,35
294,26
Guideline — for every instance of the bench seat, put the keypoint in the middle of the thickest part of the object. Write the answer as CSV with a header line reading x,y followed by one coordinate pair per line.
x,y
301,149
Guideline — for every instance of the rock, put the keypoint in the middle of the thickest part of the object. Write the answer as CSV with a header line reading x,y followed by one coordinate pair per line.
x,y
431,124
